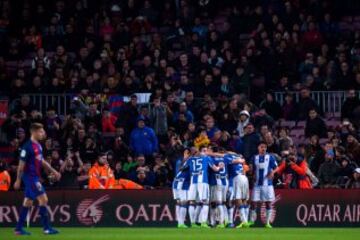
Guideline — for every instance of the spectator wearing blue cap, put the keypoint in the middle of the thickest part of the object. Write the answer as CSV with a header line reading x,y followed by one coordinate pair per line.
x,y
143,139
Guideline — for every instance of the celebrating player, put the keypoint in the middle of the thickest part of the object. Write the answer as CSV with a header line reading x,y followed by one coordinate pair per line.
x,y
218,181
239,190
180,187
31,160
263,166
198,194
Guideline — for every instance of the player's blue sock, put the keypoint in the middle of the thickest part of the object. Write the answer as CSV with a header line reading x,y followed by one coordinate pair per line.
x,y
44,217
22,217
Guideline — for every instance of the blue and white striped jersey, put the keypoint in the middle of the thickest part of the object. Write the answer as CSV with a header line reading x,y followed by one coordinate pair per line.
x,y
220,177
262,166
199,168
182,177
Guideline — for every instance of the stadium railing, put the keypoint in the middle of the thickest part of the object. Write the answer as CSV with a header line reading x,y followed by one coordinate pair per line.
x,y
328,101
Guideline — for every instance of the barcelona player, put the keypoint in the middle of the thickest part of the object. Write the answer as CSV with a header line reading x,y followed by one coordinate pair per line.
x,y
29,170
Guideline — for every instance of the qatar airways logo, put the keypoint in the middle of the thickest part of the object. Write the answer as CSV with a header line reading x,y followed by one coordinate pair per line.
x,y
89,211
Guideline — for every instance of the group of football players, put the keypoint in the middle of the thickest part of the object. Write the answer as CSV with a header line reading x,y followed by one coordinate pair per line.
x,y
210,183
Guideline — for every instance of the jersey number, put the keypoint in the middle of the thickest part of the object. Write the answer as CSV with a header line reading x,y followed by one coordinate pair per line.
x,y
197,165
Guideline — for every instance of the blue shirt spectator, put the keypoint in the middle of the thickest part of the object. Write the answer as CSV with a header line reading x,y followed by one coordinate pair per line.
x,y
143,139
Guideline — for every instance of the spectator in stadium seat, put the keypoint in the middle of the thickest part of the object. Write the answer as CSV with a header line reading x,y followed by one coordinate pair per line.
x,y
345,172
328,170
272,107
243,120
350,104
83,175
158,118
143,139
108,121
5,179
119,172
250,140
314,154
69,174
283,138
129,164
289,108
183,110
315,125
305,104
353,148
354,181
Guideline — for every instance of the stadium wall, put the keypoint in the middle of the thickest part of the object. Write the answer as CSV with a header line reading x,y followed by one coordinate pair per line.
x,y
150,208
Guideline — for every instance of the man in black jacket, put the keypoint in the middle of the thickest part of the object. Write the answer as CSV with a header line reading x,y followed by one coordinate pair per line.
x,y
315,125
351,102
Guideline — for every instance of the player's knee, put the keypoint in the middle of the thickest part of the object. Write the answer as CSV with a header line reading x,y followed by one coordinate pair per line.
x,y
28,203
43,201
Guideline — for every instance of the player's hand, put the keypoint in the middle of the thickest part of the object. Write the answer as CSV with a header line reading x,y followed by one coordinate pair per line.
x,y
57,176
221,165
270,175
17,185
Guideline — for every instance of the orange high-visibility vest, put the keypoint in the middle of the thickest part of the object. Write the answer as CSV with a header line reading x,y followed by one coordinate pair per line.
x,y
101,177
126,184
5,181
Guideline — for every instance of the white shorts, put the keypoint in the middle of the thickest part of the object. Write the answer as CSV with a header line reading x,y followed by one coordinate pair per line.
x,y
198,192
240,188
180,194
263,194
218,193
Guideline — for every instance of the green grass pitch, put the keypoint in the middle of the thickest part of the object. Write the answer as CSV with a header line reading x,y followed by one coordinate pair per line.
x,y
187,234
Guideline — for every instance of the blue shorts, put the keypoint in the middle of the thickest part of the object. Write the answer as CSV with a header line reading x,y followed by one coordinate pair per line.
x,y
33,187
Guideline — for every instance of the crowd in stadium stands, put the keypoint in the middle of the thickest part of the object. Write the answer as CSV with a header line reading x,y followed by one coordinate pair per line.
x,y
211,68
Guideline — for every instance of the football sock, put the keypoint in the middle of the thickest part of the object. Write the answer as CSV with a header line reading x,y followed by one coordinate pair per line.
x,y
44,217
22,217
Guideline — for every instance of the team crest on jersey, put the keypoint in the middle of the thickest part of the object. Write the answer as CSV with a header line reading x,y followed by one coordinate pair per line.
x,y
23,153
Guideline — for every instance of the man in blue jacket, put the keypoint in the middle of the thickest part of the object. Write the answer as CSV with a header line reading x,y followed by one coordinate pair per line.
x,y
143,140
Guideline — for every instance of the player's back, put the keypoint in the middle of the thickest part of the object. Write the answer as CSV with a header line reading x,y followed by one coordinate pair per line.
x,y
182,176
198,167
234,169
218,178
31,154
262,166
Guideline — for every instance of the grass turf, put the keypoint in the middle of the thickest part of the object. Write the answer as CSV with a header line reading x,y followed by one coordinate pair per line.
x,y
186,234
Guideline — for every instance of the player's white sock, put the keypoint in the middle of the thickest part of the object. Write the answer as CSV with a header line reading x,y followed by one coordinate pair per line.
x,y
182,215
192,214
204,213
253,215
268,215
197,213
247,212
221,213
231,215
177,211
213,216
226,214
242,213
